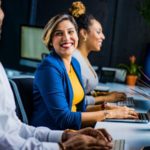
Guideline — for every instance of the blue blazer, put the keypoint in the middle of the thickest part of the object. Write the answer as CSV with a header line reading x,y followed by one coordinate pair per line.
x,y
53,95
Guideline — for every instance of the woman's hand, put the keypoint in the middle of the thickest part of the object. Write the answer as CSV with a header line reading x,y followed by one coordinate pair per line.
x,y
122,113
96,133
86,142
116,96
101,134
111,97
105,134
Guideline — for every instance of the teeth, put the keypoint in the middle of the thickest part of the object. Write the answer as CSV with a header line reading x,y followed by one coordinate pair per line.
x,y
66,45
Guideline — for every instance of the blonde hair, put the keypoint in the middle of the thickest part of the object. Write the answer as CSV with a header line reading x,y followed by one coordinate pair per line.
x,y
51,26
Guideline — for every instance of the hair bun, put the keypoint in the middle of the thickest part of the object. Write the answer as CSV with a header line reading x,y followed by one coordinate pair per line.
x,y
77,9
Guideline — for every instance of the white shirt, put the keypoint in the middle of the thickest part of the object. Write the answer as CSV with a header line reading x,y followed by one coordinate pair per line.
x,y
89,76
15,135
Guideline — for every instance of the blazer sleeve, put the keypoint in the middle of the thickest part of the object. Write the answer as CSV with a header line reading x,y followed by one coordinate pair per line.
x,y
50,81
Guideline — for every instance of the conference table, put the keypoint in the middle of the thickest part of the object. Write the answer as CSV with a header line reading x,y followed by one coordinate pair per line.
x,y
136,135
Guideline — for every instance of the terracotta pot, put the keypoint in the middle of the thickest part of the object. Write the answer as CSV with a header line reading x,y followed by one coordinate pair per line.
x,y
131,79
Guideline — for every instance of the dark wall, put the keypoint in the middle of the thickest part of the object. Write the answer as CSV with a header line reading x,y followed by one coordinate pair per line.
x,y
16,13
131,33
102,9
125,30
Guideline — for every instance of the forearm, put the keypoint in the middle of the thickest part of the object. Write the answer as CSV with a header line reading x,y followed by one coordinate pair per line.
x,y
93,116
100,99
7,142
40,133
92,108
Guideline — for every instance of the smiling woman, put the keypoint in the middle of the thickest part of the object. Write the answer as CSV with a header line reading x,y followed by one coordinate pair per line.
x,y
65,39
91,38
58,93
58,78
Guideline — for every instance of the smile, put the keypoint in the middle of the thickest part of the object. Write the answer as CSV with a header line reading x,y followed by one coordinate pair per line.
x,y
66,45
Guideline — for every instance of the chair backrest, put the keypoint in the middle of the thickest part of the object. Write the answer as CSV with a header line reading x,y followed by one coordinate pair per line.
x,y
22,87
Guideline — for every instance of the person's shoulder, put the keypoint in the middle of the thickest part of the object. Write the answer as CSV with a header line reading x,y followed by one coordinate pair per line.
x,y
49,60
76,54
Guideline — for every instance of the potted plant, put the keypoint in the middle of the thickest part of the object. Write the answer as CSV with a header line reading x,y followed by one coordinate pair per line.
x,y
133,71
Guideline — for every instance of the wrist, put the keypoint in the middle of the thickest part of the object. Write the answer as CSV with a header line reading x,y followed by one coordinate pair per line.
x,y
106,114
67,134
103,105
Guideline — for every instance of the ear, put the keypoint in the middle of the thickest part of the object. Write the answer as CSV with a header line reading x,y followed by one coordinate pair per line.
x,y
83,33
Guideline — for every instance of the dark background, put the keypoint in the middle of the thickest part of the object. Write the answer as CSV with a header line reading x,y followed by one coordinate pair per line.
x,y
125,30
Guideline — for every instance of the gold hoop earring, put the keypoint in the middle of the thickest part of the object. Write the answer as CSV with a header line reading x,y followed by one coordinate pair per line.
x,y
84,39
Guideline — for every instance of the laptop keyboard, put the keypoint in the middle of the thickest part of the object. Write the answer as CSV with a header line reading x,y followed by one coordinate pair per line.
x,y
118,145
143,116
129,102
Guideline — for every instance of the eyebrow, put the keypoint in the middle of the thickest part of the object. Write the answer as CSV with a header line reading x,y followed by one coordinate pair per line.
x,y
62,30
100,29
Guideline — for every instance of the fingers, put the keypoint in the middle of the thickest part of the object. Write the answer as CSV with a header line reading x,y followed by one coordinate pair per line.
x,y
121,96
123,112
131,114
91,132
106,134
117,96
98,134
85,142
101,143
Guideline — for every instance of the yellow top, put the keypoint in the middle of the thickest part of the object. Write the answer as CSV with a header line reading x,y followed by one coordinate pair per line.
x,y
78,92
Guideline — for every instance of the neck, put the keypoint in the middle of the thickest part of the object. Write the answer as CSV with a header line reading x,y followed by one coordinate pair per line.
x,y
83,50
67,62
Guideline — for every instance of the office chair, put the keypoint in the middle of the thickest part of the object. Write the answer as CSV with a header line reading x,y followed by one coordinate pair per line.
x,y
22,89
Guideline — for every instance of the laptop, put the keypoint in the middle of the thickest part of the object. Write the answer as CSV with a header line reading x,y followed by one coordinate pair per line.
x,y
118,144
129,102
143,118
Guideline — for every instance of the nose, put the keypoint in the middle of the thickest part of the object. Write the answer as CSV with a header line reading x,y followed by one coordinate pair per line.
x,y
66,36
103,36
